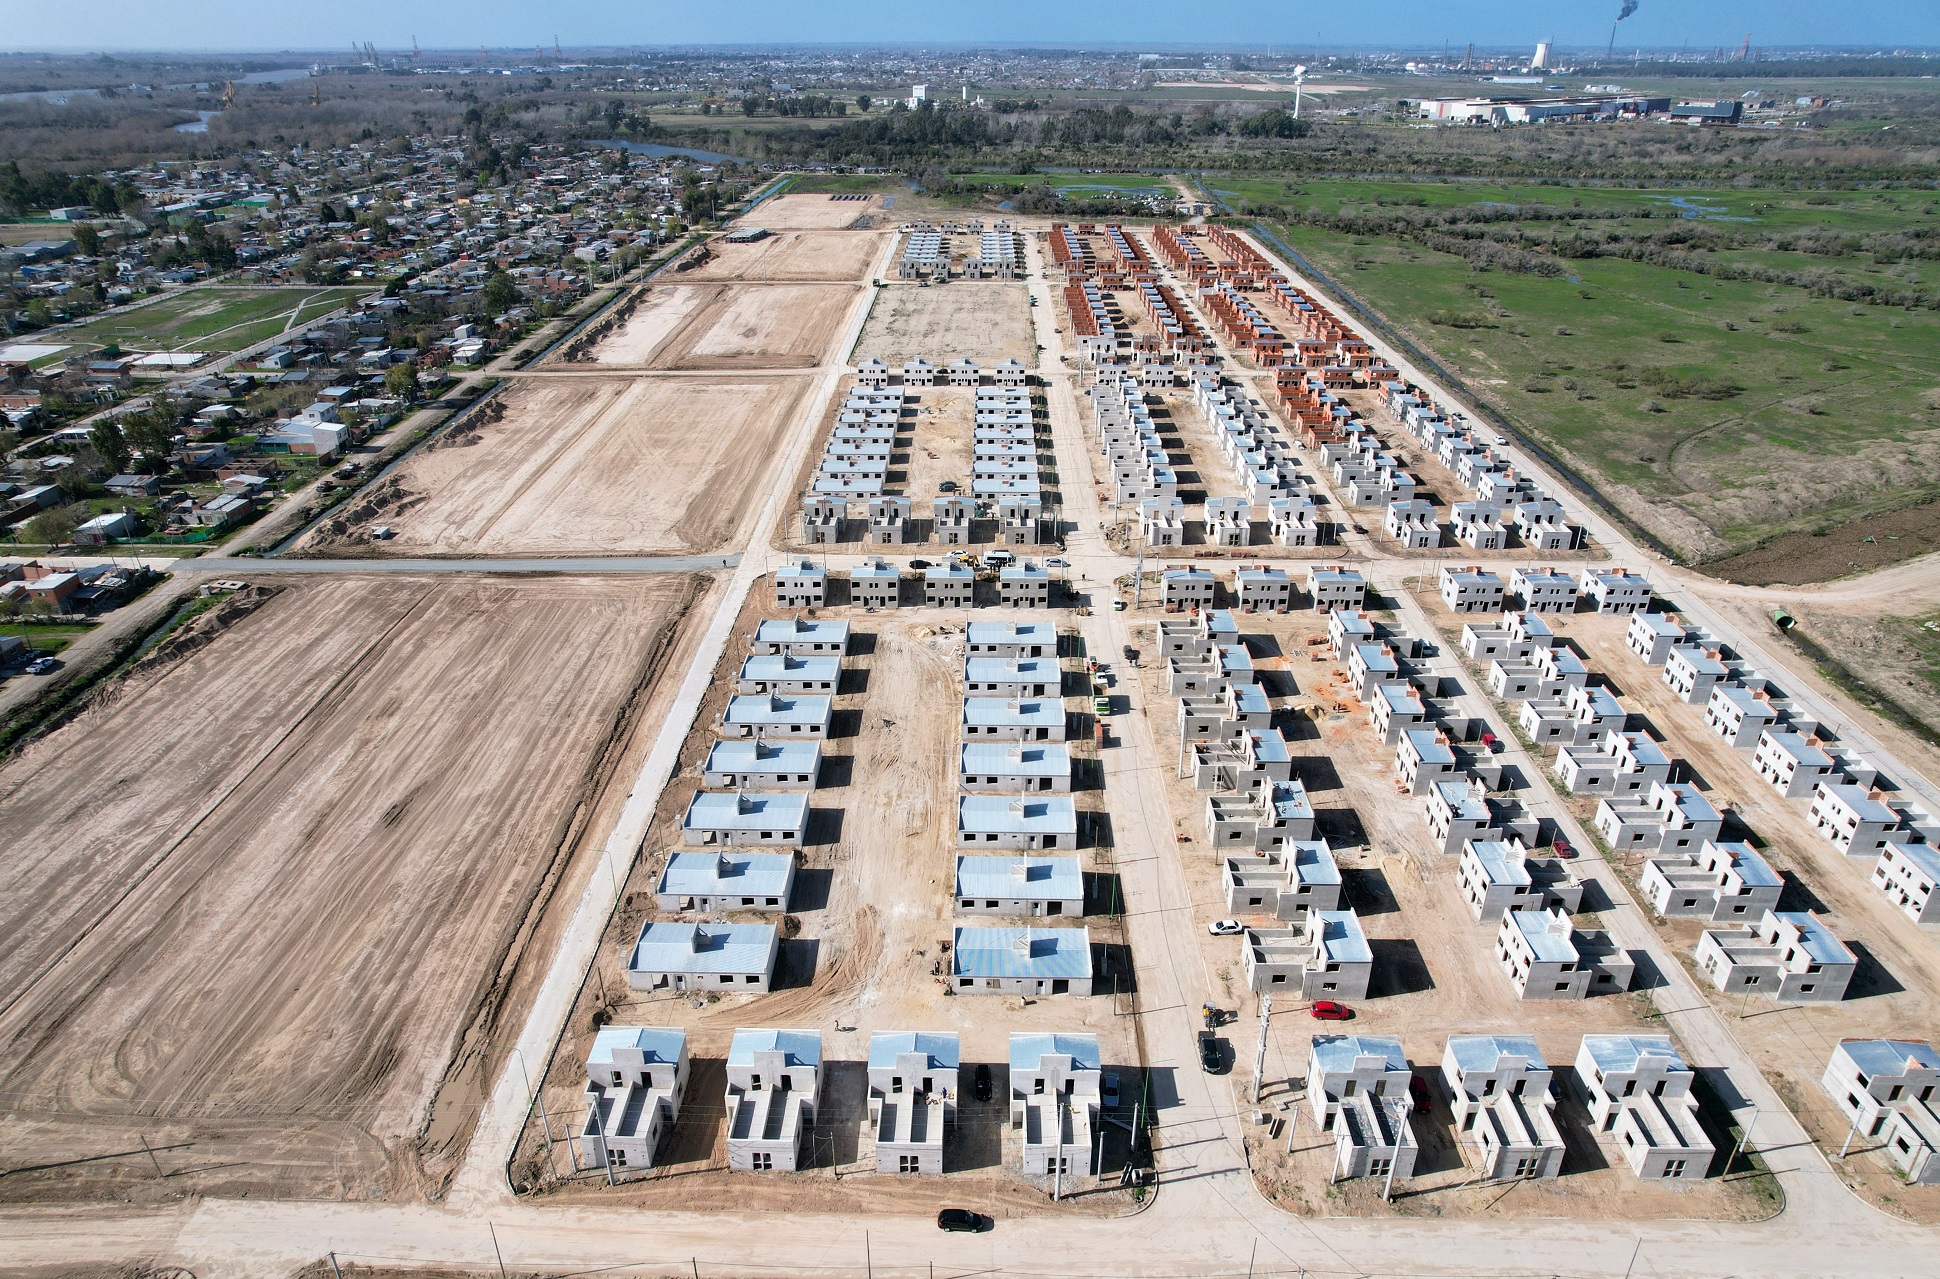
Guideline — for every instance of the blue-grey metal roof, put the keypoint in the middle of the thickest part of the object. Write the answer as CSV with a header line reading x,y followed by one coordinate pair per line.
x,y
1501,863
1011,670
754,755
778,708
1890,1056
1801,749
1548,947
708,874
784,666
1011,814
1752,869
1376,657
797,630
1483,1052
1025,572
939,1048
1290,803
1429,746
1644,752
1030,711
948,571
1269,746
1012,633
875,573
1336,1054
747,810
1341,938
1313,862
1923,857
1820,942
662,1045
1032,953
1860,800
1028,1048
799,1047
669,947
1020,878
1249,699
804,569
1016,759
1463,801
1620,1053
1399,696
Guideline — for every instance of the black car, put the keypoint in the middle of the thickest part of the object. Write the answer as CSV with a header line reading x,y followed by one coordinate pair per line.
x,y
919,563
1131,654
981,1089
962,1220
1211,1059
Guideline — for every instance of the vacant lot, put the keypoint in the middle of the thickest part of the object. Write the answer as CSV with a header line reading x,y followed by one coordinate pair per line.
x,y
584,466
729,326
212,319
811,212
793,255
265,902
985,320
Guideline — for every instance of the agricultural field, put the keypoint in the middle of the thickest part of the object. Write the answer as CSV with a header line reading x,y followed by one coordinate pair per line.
x,y
583,465
287,873
985,320
215,320
1718,413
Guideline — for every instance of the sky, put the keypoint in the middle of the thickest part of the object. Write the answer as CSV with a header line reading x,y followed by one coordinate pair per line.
x,y
332,25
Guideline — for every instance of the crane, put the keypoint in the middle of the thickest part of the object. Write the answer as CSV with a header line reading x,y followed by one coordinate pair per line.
x,y
414,49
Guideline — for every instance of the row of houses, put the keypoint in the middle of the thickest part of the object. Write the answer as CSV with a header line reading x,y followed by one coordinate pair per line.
x,y
1505,499
876,583
1474,589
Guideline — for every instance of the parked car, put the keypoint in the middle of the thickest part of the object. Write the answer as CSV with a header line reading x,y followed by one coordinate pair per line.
x,y
1328,1010
1225,928
1493,742
998,559
981,1087
41,665
1418,1089
947,486
1057,562
919,563
1108,1090
962,1220
1502,441
1117,605
1560,847
1211,1059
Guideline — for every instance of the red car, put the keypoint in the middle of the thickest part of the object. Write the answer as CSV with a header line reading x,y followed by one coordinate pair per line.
x,y
1562,848
1489,740
1328,1010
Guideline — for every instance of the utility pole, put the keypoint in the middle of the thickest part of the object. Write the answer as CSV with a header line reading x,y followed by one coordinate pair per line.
x,y
1744,1136
1400,1136
333,1266
495,1252
1844,1146
1259,1054
1057,1165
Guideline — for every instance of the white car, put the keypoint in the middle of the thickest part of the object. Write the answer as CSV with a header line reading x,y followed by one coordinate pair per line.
x,y
1502,441
1225,928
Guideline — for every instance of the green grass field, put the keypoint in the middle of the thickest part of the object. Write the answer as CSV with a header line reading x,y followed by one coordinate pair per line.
x,y
1719,413
45,639
216,320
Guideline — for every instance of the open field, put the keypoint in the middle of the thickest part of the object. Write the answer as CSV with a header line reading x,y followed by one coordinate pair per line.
x,y
216,320
285,874
792,255
872,903
811,212
1717,412
583,466
728,326
985,320
1435,972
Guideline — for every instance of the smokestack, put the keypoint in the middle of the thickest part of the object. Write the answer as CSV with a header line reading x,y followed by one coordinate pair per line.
x,y
1629,7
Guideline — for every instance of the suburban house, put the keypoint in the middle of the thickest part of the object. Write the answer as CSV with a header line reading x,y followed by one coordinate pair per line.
x,y
1423,757
742,763
636,1077
1470,590
1262,589
1021,961
1890,1090
1271,816
1324,955
1792,762
1545,958
703,957
949,585
1740,713
1023,585
1857,821
774,1080
1016,821
1335,586
1187,586
876,584
1019,886
1014,719
768,715
1056,1093
1012,767
780,673
1616,590
799,637
774,818
803,584
1498,876
1724,881
1286,883
1622,765
1674,818
1011,639
1638,1088
1652,636
1011,676
1357,1086
912,1097
1907,874
1543,590
1504,1105
726,881
1692,672
1789,955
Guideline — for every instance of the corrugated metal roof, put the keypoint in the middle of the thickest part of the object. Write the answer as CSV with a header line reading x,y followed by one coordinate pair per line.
x,y
1031,711
751,755
1020,878
1040,814
938,1047
1337,1053
1016,759
1032,953
1011,670
783,666
1621,1052
669,947
1548,947
747,810
1483,1052
778,708
1029,1048
1890,1056
1341,938
660,1044
745,874
1501,864
798,1047
798,629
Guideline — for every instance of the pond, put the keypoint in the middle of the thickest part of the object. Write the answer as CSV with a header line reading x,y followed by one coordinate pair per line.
x,y
657,151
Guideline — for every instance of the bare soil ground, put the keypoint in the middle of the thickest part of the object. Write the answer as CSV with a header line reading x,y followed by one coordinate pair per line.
x,y
983,320
794,255
1897,988
1435,973
661,311
729,326
811,212
872,907
283,876
1864,544
583,466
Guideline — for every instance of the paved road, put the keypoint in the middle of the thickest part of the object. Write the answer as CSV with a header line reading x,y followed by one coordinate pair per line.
x,y
251,567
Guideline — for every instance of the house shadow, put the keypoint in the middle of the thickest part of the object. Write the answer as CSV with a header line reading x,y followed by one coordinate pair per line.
x,y
698,1130
843,1111
1104,895
1796,896
811,890
1095,830
1646,974
1367,891
1718,1098
1340,827
1582,1152
824,826
1317,773
845,723
1434,1129
862,643
1596,898
1870,978
1399,968
795,963
1112,971
976,1140
855,679
836,771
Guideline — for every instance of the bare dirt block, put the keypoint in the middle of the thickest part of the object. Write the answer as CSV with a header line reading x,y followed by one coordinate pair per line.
x,y
794,255
264,903
811,213
729,326
984,320
586,466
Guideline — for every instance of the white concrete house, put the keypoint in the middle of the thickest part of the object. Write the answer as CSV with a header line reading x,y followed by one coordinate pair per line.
x,y
1890,1091
799,637
1011,639
1019,886
949,585
1740,714
1857,821
735,958
1639,1090
876,584
1472,589
1423,757
1013,719
1652,636
912,1098
1624,765
1789,956
1725,882
1268,818
1692,672
1674,819
1545,958
1907,874
780,673
1262,589
755,764
1544,590
772,818
1357,1087
771,715
1324,955
1024,585
1791,762
1056,1093
801,585
1335,586
636,1079
1017,821
725,881
1396,708
1616,590
1504,1105
1286,883
1021,961
1012,768
1187,586
774,1082
1011,676
1498,876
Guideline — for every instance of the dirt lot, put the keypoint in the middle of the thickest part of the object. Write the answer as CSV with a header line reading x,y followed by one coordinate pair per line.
x,y
285,873
983,320
1897,988
794,255
1434,969
811,212
728,326
1860,546
871,905
583,466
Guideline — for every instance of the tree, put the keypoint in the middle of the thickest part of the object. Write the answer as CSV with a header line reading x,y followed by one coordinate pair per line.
x,y
108,440
863,101
401,380
501,292
87,239
52,527
151,434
